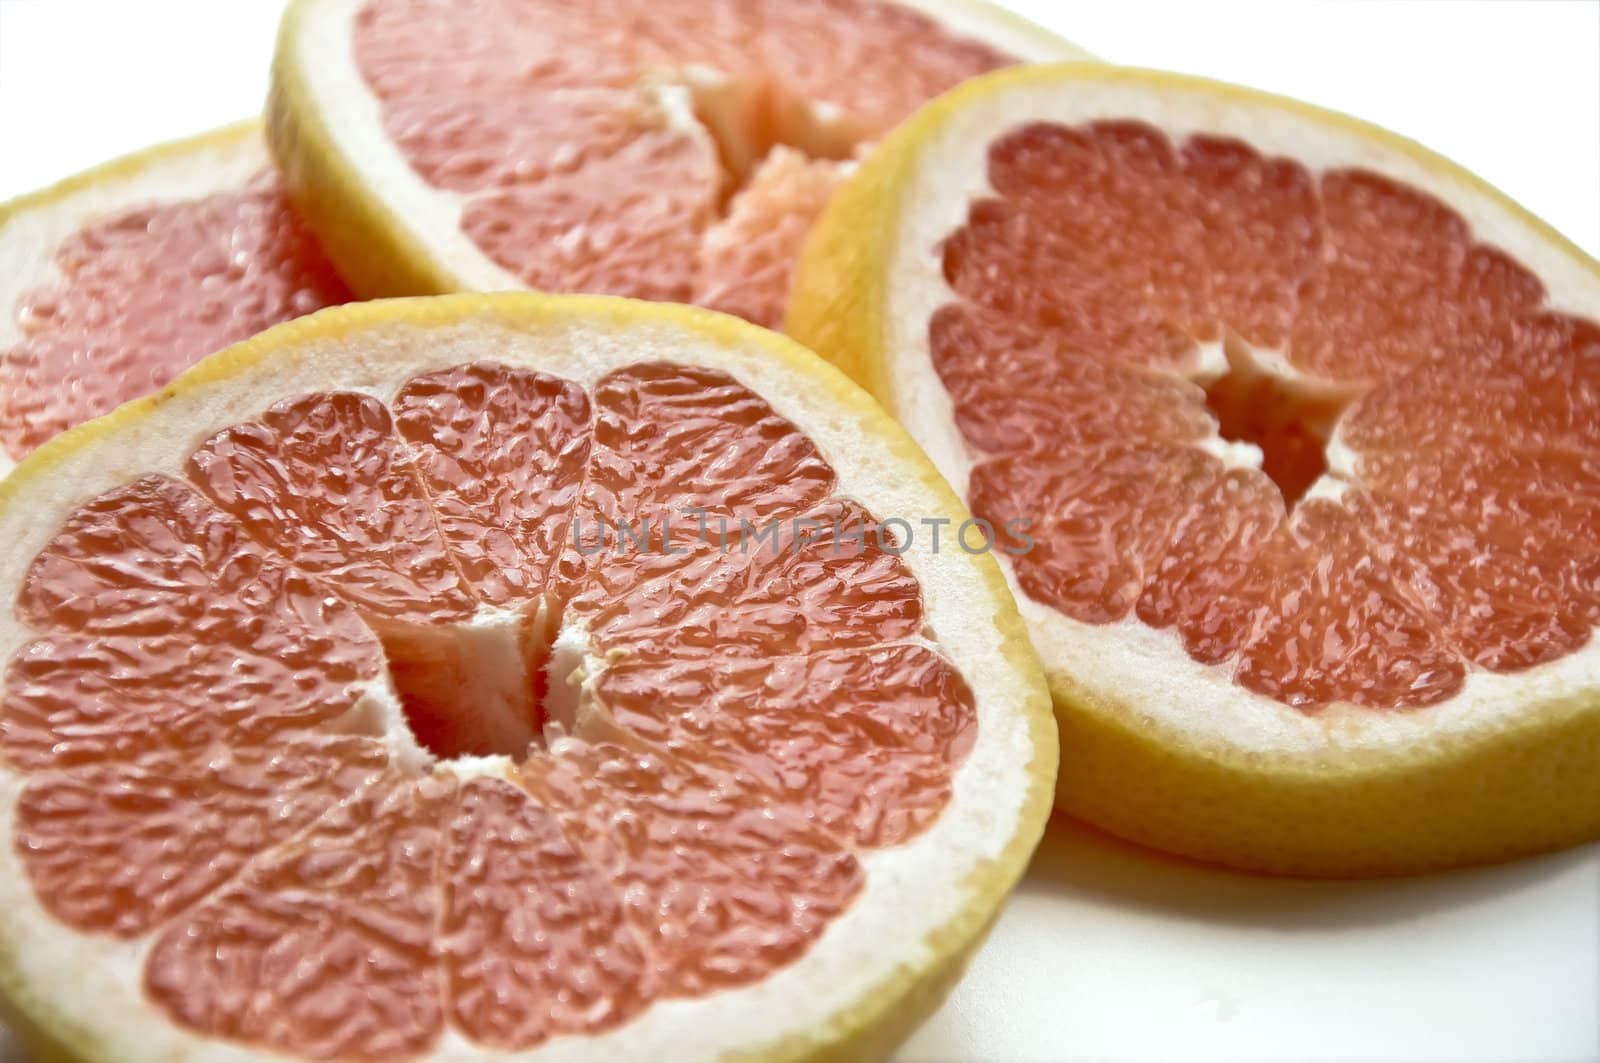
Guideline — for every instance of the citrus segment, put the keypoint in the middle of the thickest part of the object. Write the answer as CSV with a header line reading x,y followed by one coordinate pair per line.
x,y
162,624
1504,605
501,454
374,760
820,580
1068,403
1107,526
667,150
1403,279
874,771
1124,227
592,235
654,424
1210,581
122,847
1542,505
229,255
326,478
1337,627
1261,234
323,947
720,885
1298,419
523,908
1532,379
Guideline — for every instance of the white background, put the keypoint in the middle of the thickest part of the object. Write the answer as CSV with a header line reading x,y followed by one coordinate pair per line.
x,y
1509,89
1108,953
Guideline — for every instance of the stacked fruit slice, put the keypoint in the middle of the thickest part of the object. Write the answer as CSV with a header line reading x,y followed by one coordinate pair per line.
x,y
113,282
662,149
334,725
556,675
1304,421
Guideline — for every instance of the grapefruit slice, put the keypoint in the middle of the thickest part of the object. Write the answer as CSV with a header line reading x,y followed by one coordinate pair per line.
x,y
203,221
661,149
334,726
1304,421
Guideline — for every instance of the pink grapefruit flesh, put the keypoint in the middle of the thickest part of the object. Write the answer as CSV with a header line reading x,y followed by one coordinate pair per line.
x,y
1466,539
662,149
143,293
193,697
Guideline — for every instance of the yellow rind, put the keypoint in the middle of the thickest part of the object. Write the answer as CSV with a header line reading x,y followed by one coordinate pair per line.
x,y
884,1016
1528,787
369,245
125,167
1531,785
1005,19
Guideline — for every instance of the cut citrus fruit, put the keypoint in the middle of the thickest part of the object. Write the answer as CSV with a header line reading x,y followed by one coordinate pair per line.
x,y
1304,421
509,674
661,149
203,222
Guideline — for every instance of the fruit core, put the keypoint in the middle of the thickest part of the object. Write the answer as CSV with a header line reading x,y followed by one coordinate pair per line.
x,y
748,119
1287,420
488,686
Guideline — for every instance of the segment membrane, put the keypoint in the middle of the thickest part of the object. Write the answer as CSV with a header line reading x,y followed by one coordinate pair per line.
x,y
324,947
164,625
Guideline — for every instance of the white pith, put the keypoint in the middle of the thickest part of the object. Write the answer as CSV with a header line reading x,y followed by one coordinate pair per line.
x,y
31,236
323,51
911,890
1128,663
326,45
572,671
498,648
486,660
